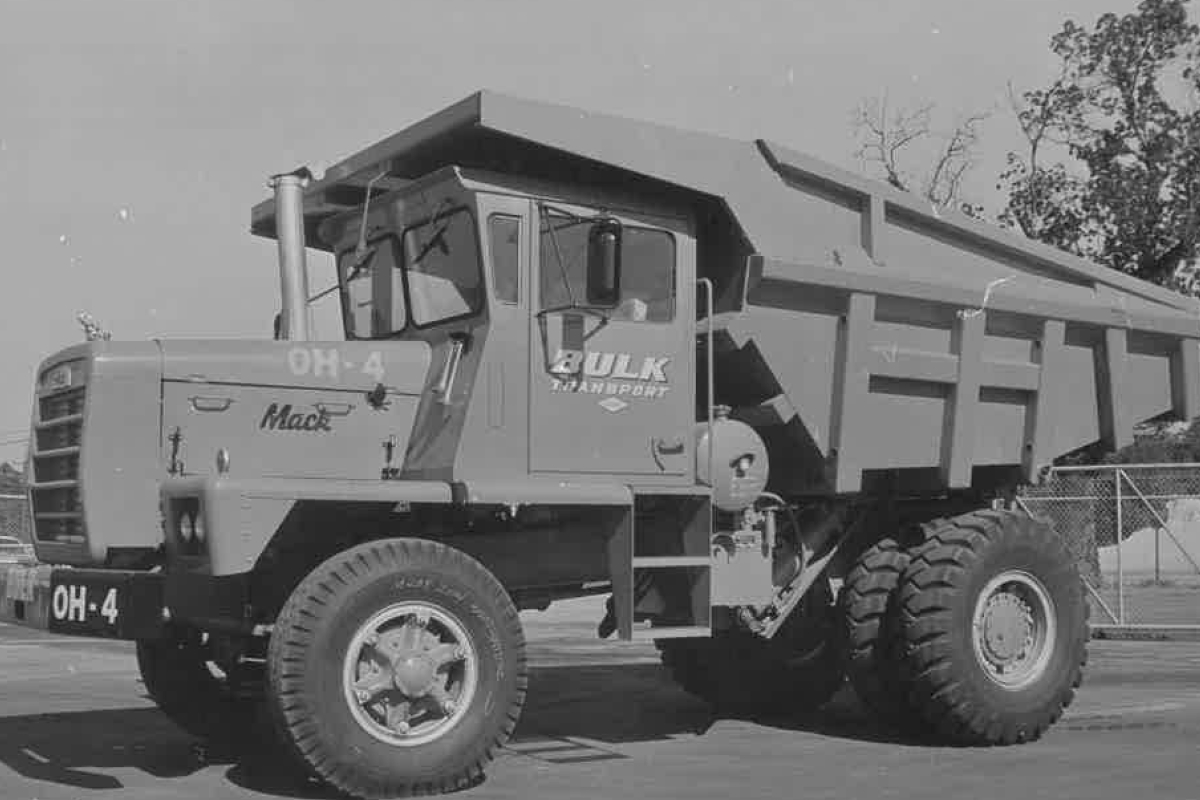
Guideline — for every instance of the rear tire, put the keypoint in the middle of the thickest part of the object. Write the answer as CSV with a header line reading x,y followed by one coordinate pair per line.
x,y
397,668
868,610
739,672
994,624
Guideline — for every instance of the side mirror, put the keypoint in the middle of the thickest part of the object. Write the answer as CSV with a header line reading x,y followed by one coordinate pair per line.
x,y
604,263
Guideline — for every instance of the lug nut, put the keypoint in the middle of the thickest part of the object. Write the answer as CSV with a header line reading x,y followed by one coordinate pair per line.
x,y
362,694
448,707
372,639
401,727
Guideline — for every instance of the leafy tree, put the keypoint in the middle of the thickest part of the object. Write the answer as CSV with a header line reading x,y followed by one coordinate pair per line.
x,y
1125,108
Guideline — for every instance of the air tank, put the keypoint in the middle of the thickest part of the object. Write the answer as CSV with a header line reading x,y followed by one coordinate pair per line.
x,y
738,458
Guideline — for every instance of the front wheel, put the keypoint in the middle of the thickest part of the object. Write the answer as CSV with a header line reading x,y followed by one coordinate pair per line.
x,y
994,628
397,667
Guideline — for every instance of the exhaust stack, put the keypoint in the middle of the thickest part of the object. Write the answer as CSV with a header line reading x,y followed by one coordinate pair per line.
x,y
293,272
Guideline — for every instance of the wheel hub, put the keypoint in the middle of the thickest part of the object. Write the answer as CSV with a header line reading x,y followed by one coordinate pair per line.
x,y
413,676
1007,628
1014,629
410,673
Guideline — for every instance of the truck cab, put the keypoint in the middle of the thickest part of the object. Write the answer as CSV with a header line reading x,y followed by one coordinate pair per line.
x,y
536,370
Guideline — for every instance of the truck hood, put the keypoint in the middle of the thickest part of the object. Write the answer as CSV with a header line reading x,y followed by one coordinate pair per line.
x,y
331,366
339,410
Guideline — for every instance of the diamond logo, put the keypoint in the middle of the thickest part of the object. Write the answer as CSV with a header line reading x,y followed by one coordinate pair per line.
x,y
613,404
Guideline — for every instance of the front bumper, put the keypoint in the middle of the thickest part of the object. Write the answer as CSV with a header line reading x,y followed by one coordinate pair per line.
x,y
104,603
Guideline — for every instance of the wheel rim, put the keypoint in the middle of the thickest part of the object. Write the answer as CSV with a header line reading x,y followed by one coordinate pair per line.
x,y
1013,629
410,674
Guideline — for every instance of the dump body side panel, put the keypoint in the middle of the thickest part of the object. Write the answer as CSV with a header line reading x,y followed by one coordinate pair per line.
x,y
846,371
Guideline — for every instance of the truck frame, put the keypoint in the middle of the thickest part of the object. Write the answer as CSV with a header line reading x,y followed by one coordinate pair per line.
x,y
777,412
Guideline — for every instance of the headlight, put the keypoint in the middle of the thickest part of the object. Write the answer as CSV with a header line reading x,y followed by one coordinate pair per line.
x,y
187,526
198,527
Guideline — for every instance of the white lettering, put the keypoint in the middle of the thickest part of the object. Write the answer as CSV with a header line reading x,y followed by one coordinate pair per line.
x,y
77,605
58,603
567,362
325,363
638,390
654,369
299,360
622,368
374,366
109,609
598,365
624,388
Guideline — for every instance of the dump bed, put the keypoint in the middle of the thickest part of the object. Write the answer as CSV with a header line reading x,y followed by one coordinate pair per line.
x,y
861,331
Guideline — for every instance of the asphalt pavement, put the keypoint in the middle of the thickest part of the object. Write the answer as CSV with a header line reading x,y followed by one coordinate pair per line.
x,y
604,721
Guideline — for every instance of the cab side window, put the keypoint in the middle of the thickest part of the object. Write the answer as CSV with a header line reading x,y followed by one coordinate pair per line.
x,y
647,269
503,239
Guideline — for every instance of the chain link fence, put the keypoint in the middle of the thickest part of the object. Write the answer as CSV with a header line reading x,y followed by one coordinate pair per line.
x,y
1135,533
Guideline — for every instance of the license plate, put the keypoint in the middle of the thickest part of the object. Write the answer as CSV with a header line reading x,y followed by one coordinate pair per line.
x,y
85,604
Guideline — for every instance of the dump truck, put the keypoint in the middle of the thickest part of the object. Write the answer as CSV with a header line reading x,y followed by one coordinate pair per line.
x,y
776,412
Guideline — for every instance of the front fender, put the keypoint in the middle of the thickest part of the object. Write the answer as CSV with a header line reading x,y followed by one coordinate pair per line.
x,y
240,515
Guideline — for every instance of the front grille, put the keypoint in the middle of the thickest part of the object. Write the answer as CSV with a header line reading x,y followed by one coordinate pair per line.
x,y
65,434
57,443
63,404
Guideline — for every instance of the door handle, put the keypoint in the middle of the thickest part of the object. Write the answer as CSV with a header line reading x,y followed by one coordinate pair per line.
x,y
665,447
202,403
669,447
334,409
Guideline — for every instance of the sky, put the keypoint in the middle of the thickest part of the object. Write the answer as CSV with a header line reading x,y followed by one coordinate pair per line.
x,y
136,135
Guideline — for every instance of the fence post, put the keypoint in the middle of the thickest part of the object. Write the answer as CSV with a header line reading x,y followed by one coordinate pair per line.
x,y
1157,571
1119,474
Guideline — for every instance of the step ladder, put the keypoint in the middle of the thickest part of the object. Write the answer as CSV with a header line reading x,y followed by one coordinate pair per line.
x,y
682,574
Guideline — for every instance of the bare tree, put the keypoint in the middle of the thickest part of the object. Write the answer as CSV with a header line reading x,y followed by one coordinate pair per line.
x,y
889,139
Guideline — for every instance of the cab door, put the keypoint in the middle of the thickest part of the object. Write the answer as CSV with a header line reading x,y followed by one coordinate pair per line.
x,y
612,388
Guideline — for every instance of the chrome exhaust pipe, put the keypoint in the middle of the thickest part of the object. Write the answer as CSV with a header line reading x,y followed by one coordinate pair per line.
x,y
293,271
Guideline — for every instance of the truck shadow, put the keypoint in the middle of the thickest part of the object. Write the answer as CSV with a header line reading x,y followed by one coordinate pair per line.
x,y
573,715
629,703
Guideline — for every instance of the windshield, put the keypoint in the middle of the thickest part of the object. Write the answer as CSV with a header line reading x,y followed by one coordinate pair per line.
x,y
430,274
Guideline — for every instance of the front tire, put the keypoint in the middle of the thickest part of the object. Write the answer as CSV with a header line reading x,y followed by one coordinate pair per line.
x,y
994,627
397,668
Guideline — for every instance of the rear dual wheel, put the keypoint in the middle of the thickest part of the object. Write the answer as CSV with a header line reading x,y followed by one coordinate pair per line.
x,y
977,634
397,668
993,624
868,612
